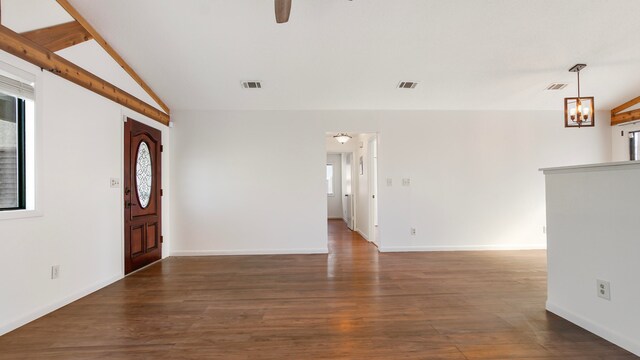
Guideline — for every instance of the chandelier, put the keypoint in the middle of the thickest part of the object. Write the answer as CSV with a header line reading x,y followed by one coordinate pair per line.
x,y
579,111
342,138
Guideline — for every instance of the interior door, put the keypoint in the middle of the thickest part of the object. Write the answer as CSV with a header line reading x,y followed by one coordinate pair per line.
x,y
347,199
142,195
373,190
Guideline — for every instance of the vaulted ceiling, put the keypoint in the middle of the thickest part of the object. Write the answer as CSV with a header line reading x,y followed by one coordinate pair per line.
x,y
340,54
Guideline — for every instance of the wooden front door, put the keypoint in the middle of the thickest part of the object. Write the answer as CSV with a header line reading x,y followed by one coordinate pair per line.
x,y
142,195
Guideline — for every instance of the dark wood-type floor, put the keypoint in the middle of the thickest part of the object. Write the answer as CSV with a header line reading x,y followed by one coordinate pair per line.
x,y
351,304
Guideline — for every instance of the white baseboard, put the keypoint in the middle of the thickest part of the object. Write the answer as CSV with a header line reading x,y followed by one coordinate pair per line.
x,y
249,252
362,234
632,345
464,248
25,319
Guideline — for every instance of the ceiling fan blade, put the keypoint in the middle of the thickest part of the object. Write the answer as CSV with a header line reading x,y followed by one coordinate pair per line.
x,y
283,9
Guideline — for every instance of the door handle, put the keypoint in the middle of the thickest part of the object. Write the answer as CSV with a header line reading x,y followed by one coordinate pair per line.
x,y
346,194
127,191
128,204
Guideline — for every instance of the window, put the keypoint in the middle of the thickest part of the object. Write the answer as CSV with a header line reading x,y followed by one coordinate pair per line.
x,y
12,159
330,179
16,105
634,146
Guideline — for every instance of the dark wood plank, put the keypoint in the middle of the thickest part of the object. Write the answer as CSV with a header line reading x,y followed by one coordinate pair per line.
x,y
58,37
351,304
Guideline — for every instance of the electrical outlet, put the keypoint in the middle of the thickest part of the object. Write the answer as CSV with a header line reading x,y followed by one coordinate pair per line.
x,y
406,182
413,231
604,289
55,272
115,182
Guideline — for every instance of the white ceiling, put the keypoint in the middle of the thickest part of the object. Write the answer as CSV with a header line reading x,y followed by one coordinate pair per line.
x,y
339,54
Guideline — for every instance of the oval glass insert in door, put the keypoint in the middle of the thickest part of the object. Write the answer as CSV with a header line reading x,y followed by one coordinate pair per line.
x,y
144,174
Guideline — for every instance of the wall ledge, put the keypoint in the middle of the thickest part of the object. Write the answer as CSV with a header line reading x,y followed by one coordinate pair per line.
x,y
605,333
620,165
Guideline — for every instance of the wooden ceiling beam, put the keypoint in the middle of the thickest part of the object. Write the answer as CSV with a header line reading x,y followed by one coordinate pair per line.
x,y
58,37
40,56
626,105
618,117
624,117
100,40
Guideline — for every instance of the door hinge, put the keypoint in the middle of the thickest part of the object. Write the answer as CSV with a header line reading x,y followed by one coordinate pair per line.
x,y
161,239
161,148
161,192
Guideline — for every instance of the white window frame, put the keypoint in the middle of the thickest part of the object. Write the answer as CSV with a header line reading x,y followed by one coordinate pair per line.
x,y
634,137
17,69
330,181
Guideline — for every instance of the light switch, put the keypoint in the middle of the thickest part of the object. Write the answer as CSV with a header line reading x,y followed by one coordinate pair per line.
x,y
389,182
115,182
406,182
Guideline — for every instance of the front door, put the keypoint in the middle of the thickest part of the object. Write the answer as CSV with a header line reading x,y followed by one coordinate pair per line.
x,y
142,195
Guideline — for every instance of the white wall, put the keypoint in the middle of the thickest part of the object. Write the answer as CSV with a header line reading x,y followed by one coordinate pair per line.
x,y
592,216
362,187
620,140
232,197
474,177
334,202
80,225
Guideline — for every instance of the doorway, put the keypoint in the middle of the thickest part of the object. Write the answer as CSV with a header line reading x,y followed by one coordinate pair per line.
x,y
142,195
355,163
340,196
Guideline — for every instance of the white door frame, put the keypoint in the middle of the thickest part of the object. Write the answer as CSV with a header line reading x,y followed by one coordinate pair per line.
x,y
355,173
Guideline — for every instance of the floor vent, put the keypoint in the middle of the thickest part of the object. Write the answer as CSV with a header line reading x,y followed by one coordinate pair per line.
x,y
407,85
556,86
252,84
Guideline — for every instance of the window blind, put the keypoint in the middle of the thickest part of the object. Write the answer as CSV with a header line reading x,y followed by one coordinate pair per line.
x,y
17,88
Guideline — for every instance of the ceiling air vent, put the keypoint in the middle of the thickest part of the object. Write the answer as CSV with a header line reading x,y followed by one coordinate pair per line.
x,y
556,86
407,85
252,84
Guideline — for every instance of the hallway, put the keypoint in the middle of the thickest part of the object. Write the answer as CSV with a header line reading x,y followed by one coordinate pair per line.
x,y
351,304
347,244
